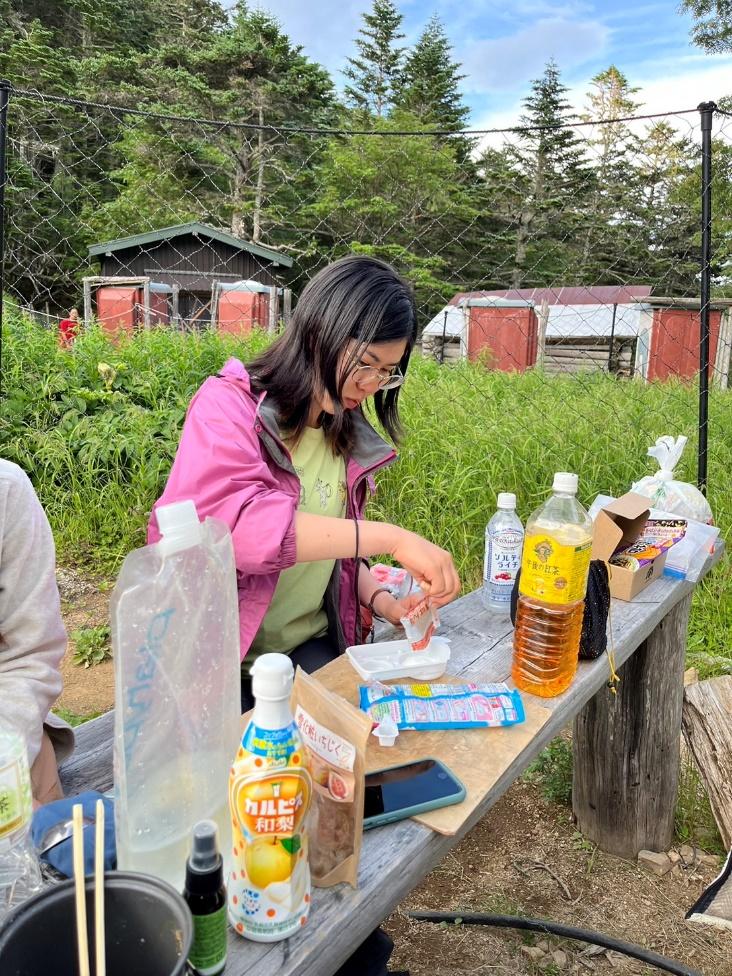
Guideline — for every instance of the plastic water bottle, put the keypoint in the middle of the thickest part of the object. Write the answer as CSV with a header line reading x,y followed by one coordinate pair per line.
x,y
504,540
552,589
175,635
20,874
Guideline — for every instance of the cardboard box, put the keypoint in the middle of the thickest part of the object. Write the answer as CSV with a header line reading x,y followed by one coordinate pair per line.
x,y
618,524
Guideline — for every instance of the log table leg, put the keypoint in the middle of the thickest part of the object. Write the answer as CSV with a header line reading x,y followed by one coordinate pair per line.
x,y
626,747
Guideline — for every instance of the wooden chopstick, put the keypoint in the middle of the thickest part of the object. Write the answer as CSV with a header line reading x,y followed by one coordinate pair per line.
x,y
80,891
99,935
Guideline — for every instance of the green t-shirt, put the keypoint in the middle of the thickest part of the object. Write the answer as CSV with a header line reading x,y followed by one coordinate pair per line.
x,y
296,613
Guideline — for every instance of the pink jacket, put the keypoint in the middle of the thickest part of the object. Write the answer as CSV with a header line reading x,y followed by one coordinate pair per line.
x,y
233,464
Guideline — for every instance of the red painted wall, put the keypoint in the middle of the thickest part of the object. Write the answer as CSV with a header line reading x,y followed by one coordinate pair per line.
x,y
116,310
509,335
239,311
159,307
675,339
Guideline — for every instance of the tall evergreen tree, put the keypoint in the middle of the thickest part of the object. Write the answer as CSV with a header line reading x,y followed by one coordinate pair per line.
x,y
253,179
375,73
401,198
430,84
668,216
550,161
610,234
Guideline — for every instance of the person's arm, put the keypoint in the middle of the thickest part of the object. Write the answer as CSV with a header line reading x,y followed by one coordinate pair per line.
x,y
219,465
321,537
32,635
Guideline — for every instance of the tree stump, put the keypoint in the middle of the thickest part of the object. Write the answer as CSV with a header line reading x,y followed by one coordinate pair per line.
x,y
626,747
707,722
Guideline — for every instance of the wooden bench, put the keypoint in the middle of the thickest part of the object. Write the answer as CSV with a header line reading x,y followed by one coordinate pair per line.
x,y
626,755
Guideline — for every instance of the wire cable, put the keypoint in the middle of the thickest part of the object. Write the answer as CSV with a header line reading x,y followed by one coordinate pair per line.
x,y
565,931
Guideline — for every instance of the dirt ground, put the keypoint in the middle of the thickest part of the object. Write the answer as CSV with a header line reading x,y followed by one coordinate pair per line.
x,y
86,691
524,858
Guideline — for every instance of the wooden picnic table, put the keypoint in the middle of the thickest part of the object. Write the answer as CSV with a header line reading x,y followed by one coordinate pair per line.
x,y
626,755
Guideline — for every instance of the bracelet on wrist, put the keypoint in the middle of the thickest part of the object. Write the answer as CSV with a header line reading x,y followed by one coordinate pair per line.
x,y
370,604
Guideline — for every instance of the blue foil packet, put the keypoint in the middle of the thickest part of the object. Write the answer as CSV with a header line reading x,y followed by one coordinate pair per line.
x,y
425,706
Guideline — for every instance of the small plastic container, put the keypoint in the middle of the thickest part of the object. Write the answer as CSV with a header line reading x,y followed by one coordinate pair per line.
x,y
386,732
390,660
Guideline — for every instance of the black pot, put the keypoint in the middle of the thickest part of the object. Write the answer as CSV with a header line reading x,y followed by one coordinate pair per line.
x,y
148,929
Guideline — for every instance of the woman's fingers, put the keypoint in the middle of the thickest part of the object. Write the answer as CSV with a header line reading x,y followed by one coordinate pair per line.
x,y
432,568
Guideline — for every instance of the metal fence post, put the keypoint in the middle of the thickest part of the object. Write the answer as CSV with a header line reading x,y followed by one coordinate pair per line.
x,y
4,99
706,110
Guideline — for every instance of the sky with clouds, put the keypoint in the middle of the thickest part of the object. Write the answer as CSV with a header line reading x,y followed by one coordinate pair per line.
x,y
504,44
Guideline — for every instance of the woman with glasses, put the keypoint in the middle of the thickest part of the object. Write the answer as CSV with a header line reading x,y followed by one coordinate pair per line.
x,y
282,452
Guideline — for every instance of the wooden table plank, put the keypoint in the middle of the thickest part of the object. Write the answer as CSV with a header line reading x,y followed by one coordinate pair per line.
x,y
396,858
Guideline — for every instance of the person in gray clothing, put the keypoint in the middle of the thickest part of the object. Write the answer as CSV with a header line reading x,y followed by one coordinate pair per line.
x,y
32,635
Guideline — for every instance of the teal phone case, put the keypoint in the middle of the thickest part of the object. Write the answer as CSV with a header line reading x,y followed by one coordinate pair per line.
x,y
443,801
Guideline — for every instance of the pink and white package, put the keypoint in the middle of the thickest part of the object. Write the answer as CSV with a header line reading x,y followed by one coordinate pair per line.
x,y
420,624
394,578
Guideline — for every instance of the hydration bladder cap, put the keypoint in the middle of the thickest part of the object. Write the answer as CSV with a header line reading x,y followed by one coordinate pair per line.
x,y
205,855
179,525
506,499
565,482
272,676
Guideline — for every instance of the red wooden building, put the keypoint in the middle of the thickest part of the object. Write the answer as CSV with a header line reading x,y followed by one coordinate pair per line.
x,y
622,330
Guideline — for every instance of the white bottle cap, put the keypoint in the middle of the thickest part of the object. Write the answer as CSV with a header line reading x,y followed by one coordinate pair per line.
x,y
386,731
179,526
565,482
506,499
272,677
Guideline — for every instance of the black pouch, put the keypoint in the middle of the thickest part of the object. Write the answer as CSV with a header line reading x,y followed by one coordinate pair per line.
x,y
593,640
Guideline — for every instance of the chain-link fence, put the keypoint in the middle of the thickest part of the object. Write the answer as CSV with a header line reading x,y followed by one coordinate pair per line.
x,y
573,254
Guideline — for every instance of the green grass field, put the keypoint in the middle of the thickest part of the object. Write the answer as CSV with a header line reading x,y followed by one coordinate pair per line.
x,y
96,429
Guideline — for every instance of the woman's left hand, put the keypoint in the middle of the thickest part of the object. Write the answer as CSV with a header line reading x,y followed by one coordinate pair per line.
x,y
393,610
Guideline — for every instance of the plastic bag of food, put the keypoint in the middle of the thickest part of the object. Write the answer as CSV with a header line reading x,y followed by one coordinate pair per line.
x,y
676,497
335,735
420,624
431,707
397,580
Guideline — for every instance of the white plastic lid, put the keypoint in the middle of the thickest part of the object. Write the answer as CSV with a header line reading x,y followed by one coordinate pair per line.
x,y
506,499
272,677
386,731
565,482
179,525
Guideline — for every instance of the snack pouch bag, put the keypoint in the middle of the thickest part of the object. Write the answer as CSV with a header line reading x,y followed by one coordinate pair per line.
x,y
396,580
667,494
430,707
420,624
335,735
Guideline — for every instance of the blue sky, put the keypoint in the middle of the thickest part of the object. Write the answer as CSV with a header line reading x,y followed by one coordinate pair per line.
x,y
503,44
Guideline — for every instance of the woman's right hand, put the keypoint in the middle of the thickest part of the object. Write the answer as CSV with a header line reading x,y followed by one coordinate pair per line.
x,y
432,568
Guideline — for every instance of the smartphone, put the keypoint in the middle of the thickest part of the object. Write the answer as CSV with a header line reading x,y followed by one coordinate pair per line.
x,y
402,791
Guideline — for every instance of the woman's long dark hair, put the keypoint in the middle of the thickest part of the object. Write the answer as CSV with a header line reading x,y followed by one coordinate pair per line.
x,y
357,297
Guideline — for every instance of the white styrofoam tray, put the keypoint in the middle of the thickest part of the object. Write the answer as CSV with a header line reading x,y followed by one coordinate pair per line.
x,y
388,660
